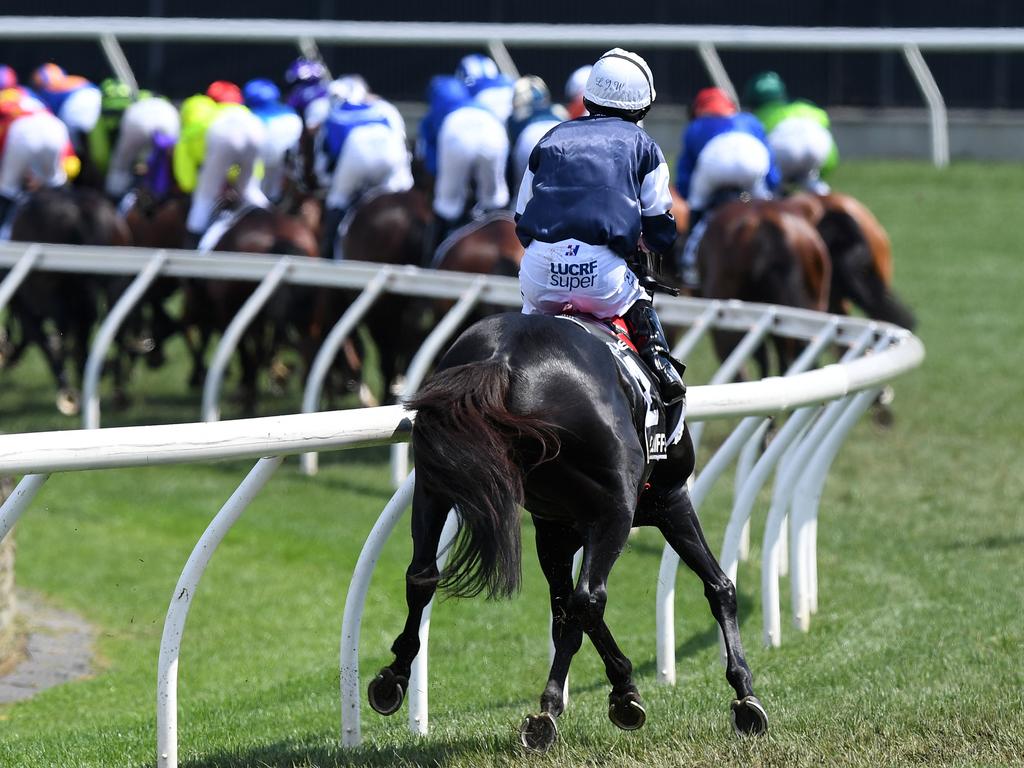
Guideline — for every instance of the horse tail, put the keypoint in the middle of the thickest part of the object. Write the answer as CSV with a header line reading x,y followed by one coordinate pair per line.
x,y
472,450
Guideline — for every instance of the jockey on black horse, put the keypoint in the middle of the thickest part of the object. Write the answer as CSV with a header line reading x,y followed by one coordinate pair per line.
x,y
595,191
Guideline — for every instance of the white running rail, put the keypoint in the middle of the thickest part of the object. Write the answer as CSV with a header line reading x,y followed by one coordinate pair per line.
x,y
804,455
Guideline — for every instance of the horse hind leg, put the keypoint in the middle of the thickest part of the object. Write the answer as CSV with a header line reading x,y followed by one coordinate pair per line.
x,y
429,512
675,516
604,542
556,546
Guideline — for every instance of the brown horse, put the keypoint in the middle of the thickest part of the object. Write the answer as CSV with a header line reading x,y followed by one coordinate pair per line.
x,y
861,261
390,229
57,311
760,251
294,316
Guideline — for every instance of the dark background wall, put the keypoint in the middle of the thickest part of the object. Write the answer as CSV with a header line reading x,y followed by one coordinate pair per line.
x,y
982,81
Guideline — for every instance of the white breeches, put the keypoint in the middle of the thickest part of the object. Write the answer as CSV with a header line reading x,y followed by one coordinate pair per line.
x,y
140,122
733,159
282,133
472,148
34,148
373,156
234,138
593,279
801,146
81,110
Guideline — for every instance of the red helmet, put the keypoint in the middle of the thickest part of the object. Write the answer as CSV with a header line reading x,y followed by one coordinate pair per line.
x,y
713,101
225,92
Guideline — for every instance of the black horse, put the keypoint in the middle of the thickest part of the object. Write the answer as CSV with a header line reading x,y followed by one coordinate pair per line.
x,y
532,410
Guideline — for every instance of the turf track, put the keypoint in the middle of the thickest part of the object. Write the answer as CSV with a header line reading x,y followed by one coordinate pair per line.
x,y
914,658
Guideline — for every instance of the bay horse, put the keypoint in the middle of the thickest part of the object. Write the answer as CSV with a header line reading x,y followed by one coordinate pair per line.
x,y
763,251
390,229
295,314
57,311
532,411
861,255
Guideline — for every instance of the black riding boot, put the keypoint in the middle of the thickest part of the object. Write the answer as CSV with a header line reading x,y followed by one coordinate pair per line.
x,y
5,208
332,220
649,337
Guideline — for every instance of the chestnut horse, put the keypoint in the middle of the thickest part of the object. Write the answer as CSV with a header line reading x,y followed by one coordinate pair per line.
x,y
861,257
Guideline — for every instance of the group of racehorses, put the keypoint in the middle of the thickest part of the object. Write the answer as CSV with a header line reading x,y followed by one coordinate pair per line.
x,y
805,251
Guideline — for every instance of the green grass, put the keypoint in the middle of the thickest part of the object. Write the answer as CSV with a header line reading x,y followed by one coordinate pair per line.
x,y
913,659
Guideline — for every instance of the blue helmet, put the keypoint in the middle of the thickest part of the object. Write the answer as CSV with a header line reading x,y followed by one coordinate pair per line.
x,y
445,93
476,69
260,92
304,70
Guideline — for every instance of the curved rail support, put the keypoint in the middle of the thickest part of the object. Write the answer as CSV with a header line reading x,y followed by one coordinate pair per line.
x,y
181,600
795,460
355,600
727,370
744,502
936,104
18,501
423,359
806,500
18,273
716,70
697,331
419,718
105,337
329,351
233,334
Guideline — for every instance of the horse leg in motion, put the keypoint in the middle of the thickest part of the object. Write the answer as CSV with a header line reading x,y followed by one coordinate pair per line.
x,y
667,506
573,612
430,510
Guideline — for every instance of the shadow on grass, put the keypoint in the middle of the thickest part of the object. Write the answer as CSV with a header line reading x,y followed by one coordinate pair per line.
x,y
292,755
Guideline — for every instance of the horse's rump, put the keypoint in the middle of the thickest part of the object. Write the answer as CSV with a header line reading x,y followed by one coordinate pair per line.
x,y
473,450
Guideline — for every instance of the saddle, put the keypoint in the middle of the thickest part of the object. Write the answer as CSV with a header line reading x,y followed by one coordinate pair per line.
x,y
658,426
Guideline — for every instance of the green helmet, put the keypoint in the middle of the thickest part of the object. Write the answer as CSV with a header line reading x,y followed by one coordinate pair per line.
x,y
764,88
117,95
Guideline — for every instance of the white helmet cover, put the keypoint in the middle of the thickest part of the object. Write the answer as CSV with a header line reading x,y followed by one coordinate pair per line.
x,y
620,80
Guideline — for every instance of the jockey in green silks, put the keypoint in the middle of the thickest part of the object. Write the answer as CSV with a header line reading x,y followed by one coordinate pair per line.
x,y
798,133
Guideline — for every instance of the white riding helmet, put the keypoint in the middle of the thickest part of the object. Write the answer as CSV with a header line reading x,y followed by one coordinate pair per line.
x,y
577,82
620,80
351,88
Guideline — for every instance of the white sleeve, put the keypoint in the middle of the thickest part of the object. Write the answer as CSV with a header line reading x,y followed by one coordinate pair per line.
x,y
655,199
525,192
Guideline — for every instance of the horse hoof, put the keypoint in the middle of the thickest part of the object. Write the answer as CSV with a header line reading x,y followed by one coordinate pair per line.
x,y
626,711
367,398
749,717
883,416
538,733
386,692
67,402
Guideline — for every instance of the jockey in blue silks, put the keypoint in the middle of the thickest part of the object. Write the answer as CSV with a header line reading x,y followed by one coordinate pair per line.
x,y
724,150
597,189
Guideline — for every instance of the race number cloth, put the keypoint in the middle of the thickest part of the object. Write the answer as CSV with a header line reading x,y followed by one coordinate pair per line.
x,y
592,279
657,426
